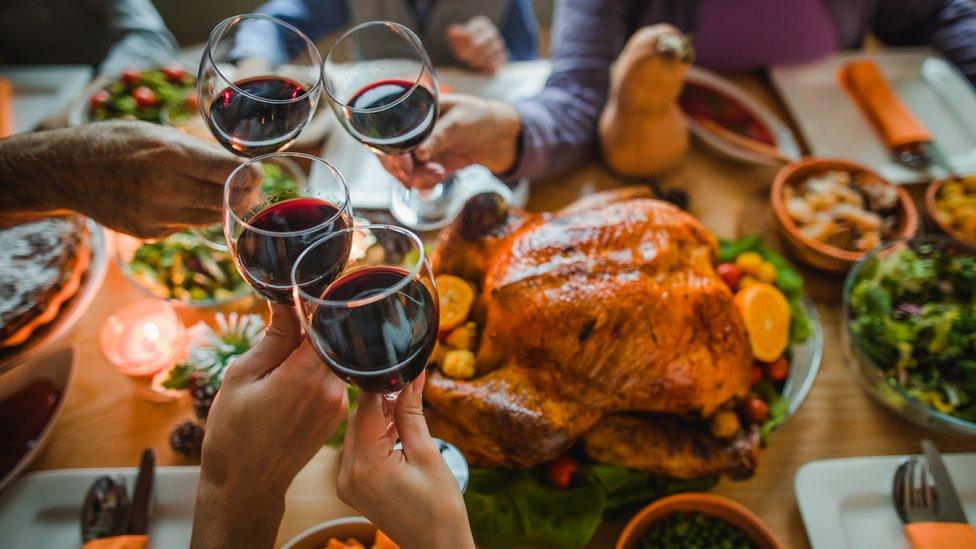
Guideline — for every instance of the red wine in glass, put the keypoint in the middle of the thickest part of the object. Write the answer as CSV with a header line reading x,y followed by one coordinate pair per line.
x,y
276,236
392,116
259,115
381,345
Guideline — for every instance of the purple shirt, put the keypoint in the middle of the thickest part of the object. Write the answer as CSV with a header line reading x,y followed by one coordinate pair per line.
x,y
559,124
736,35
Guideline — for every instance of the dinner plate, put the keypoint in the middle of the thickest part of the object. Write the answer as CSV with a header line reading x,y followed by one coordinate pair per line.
x,y
804,362
43,90
56,368
43,509
847,502
942,99
71,311
785,141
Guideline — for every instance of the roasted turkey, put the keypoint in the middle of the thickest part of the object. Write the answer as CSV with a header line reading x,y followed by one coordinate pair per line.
x,y
604,323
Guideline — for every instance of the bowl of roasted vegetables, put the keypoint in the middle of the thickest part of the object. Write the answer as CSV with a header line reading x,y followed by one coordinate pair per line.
x,y
910,324
181,268
150,95
951,204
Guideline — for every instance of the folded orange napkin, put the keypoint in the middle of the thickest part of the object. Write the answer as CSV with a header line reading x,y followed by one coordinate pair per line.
x,y
6,108
890,117
118,542
940,535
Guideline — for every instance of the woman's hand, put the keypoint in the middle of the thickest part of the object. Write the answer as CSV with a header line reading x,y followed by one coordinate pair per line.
x,y
478,44
470,130
276,408
409,494
139,178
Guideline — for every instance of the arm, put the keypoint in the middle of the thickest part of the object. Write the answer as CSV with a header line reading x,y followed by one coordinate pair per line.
x,y
142,38
520,30
315,18
135,177
947,25
559,124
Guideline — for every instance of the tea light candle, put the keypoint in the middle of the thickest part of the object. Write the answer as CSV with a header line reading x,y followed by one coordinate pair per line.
x,y
142,338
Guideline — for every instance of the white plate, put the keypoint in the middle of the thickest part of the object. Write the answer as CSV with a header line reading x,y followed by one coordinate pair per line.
x,y
369,184
941,98
785,141
43,90
43,510
847,502
57,368
71,311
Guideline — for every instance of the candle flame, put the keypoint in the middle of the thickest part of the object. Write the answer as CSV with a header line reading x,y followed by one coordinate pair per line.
x,y
151,331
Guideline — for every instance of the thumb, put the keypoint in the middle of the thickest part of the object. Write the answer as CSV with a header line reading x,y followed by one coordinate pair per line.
x,y
283,336
410,422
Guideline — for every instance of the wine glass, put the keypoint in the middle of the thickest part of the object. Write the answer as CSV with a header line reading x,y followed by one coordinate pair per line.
x,y
382,87
258,84
376,324
272,214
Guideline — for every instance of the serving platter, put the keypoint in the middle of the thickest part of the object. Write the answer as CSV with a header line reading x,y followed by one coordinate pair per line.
x,y
72,310
942,99
847,502
805,361
43,509
56,369
782,135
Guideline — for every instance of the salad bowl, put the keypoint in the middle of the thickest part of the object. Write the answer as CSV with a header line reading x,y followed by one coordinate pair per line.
x,y
906,330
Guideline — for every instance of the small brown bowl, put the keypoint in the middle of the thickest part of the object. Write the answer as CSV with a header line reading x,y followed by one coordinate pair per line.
x,y
931,198
342,529
706,504
815,253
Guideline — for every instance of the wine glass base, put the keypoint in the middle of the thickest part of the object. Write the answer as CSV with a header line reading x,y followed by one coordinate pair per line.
x,y
427,213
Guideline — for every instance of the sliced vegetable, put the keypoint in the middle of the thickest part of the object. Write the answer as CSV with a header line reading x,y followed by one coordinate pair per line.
x,y
144,97
560,471
131,77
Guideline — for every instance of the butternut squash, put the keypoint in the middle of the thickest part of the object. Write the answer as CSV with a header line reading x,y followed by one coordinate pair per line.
x,y
642,130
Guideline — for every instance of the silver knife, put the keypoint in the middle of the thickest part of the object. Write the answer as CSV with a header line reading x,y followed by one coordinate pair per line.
x,y
949,507
143,494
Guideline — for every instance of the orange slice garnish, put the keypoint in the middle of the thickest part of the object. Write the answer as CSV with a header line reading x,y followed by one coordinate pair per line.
x,y
767,317
455,296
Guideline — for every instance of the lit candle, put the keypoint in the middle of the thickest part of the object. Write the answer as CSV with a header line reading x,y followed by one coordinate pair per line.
x,y
142,338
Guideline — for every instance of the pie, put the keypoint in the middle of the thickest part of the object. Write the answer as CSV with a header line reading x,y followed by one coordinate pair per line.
x,y
41,267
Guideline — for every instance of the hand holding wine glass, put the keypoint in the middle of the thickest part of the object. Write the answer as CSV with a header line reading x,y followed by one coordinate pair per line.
x,y
386,483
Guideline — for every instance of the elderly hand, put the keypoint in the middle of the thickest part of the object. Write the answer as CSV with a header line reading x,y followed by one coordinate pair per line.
x,y
276,408
135,177
470,130
409,494
478,44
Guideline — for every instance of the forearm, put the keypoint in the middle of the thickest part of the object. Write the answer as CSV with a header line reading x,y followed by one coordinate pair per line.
x,y
222,521
949,26
33,176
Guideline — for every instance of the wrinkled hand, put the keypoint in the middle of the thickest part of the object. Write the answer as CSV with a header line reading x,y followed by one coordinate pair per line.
x,y
478,44
139,178
470,130
409,494
276,408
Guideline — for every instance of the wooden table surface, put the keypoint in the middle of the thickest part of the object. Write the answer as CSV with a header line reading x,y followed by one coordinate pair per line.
x,y
107,423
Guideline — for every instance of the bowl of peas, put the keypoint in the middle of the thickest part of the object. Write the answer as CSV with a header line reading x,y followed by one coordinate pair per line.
x,y
696,520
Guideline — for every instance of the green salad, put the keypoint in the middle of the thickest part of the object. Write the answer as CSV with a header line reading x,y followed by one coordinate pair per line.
x,y
181,267
146,95
913,314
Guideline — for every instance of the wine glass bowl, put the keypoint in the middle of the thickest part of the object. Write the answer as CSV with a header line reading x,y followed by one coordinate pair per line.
x,y
376,323
268,224
382,87
258,84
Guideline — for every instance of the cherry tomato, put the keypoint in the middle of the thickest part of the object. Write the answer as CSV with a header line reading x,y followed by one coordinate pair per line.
x,y
757,375
756,410
777,371
144,97
174,74
560,471
131,77
730,273
99,98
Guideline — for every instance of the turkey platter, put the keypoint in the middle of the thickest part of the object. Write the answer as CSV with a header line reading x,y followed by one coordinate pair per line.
x,y
603,323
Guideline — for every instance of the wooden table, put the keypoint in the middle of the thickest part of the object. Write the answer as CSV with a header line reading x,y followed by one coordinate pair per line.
x,y
106,422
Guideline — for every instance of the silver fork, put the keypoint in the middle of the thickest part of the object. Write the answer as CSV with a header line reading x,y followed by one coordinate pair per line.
x,y
913,495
